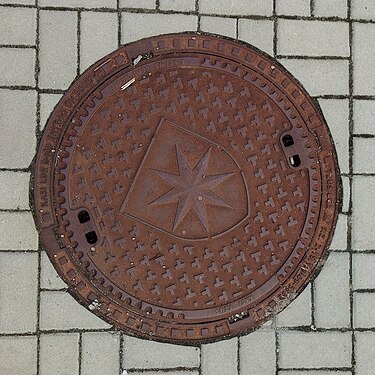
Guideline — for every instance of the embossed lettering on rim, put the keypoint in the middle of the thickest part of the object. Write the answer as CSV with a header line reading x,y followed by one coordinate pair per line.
x,y
186,188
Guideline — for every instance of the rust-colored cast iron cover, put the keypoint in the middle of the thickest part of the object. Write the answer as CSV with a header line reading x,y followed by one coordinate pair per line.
x,y
186,188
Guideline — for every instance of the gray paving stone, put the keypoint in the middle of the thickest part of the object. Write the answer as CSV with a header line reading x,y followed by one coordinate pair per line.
x,y
363,9
18,355
363,155
236,7
140,25
219,25
364,113
331,8
22,2
20,74
259,33
363,208
257,353
363,53
346,193
267,325
293,8
298,313
363,310
332,299
161,372
364,350
320,77
59,310
323,372
339,241
147,4
10,30
143,354
49,279
21,226
47,104
18,280
315,349
59,354
14,187
58,49
219,358
105,36
18,121
312,38
178,5
100,353
79,3
336,113
363,271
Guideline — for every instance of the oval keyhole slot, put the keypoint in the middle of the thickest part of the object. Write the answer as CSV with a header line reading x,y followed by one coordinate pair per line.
x,y
83,216
295,161
91,237
287,140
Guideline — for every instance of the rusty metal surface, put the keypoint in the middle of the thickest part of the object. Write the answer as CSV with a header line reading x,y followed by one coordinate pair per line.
x,y
186,188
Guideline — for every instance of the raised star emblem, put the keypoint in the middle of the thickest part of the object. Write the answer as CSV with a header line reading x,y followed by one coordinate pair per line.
x,y
191,189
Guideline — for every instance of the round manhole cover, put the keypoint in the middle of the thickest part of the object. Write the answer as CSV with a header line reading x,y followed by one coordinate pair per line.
x,y
186,188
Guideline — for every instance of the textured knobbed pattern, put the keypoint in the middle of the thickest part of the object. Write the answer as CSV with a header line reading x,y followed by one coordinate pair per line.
x,y
186,188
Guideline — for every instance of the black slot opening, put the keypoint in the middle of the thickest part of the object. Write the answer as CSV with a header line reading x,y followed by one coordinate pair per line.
x,y
83,216
295,161
287,140
91,237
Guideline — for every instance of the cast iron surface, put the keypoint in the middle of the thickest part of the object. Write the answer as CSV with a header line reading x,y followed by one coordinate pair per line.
x,y
186,188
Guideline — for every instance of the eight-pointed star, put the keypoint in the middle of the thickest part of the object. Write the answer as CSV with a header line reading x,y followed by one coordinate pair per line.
x,y
191,189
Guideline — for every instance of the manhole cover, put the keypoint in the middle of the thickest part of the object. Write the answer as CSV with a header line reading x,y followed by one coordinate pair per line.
x,y
186,188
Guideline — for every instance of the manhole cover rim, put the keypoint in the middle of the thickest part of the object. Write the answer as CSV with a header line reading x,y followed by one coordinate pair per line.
x,y
48,233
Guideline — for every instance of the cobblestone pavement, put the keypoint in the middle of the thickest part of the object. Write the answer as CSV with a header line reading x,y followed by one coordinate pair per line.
x,y
330,327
